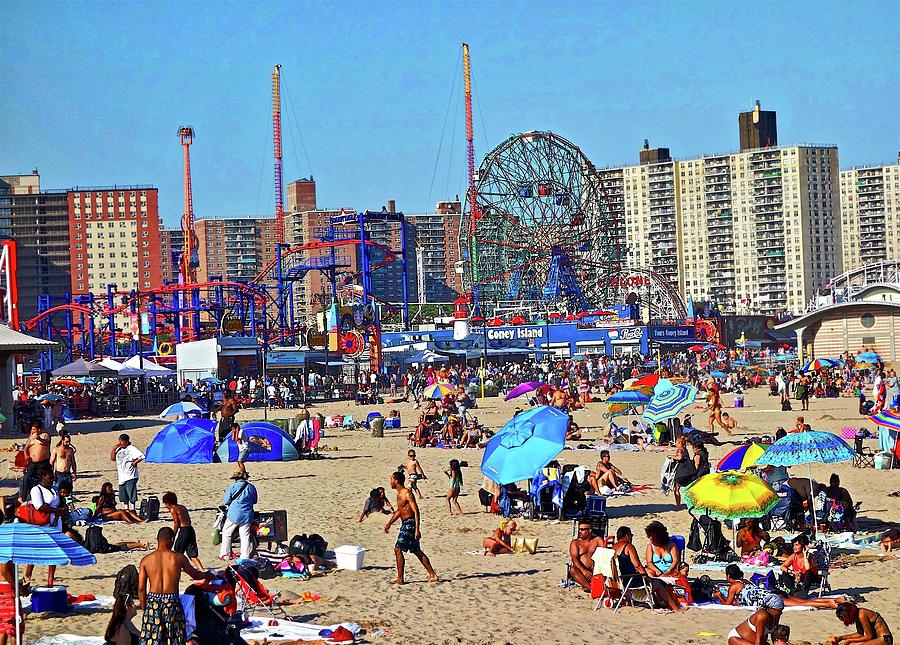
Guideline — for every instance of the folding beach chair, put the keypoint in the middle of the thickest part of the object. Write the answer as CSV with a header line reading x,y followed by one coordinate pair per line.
x,y
615,589
820,551
253,595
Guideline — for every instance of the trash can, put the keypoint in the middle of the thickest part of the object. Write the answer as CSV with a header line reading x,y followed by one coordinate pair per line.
x,y
376,424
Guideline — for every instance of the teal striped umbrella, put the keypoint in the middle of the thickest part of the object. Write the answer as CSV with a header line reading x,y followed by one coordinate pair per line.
x,y
668,403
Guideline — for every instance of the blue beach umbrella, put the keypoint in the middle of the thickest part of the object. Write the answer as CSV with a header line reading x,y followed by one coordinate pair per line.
x,y
717,374
24,543
49,397
633,397
668,403
740,362
868,357
181,409
807,448
527,443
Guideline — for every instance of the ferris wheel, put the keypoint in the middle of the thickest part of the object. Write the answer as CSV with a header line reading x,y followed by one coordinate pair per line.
x,y
544,232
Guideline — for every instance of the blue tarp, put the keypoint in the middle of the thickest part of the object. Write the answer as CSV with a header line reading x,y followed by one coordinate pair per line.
x,y
187,441
267,443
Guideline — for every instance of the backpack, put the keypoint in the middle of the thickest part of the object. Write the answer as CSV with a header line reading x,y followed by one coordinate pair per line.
x,y
299,545
127,582
149,509
265,570
786,406
317,545
95,542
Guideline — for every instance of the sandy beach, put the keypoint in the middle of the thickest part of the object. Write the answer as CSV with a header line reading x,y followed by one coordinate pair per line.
x,y
508,599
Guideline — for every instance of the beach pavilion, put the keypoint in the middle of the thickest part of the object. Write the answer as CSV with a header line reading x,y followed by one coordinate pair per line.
x,y
13,343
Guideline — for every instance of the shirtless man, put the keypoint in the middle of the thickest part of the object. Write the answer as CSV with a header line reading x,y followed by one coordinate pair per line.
x,y
409,536
871,629
560,399
185,537
37,448
65,469
581,551
163,620
226,415
414,472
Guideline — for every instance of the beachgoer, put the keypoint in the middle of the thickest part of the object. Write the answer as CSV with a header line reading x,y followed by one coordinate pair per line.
x,y
44,497
8,602
239,499
871,628
700,457
185,536
376,503
163,621
757,629
781,635
629,566
106,507
414,472
841,504
127,457
798,571
226,415
742,593
891,540
729,422
37,450
804,385
409,538
500,541
685,472
120,630
63,461
581,553
662,557
714,405
454,475
606,474
751,537
239,436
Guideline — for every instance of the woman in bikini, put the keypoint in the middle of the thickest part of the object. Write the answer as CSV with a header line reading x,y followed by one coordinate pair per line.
x,y
871,628
662,555
454,475
751,537
106,507
757,629
500,540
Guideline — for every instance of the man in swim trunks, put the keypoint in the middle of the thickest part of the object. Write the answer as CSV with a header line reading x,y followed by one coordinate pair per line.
x,y
163,621
185,536
226,415
37,448
560,399
581,551
65,468
408,539
871,628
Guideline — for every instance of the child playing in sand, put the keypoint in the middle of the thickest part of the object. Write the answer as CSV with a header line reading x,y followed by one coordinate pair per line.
x,y
456,480
729,421
781,635
377,502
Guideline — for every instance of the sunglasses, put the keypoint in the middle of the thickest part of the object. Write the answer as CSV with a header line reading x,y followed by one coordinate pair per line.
x,y
584,528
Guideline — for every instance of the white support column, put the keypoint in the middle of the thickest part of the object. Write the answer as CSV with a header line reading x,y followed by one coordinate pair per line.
x,y
800,348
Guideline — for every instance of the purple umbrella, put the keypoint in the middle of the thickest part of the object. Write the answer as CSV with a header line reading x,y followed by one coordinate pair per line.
x,y
523,388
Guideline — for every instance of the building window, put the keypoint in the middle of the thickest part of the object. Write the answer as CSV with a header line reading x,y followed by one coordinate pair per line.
x,y
867,320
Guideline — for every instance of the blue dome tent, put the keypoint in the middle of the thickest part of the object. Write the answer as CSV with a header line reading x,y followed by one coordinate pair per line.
x,y
187,441
267,443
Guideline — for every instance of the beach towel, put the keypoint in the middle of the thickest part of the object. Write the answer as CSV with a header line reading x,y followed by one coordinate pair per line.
x,y
720,567
260,629
715,605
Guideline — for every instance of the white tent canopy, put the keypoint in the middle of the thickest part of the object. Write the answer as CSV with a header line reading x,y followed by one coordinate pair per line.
x,y
150,368
120,368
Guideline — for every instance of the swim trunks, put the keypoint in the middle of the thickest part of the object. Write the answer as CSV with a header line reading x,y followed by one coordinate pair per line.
x,y
164,622
406,540
186,541
8,610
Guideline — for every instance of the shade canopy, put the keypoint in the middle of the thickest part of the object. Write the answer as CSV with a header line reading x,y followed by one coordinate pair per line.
x,y
120,368
820,364
41,545
527,443
180,410
437,391
81,367
807,448
669,403
634,397
742,457
149,367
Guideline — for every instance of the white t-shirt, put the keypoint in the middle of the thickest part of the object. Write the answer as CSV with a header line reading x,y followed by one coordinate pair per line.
x,y
124,468
50,496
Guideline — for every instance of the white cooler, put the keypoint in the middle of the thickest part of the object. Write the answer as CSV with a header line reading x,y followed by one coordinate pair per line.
x,y
350,557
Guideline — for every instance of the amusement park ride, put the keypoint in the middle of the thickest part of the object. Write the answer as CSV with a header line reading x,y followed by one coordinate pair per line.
x,y
537,236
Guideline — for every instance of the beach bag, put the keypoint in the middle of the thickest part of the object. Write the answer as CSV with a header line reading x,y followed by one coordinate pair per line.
x,y
95,541
265,570
30,515
317,545
299,545
694,543
485,497
521,544
685,472
786,406
149,509
127,582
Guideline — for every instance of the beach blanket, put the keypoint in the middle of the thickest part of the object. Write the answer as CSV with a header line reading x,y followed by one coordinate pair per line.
x,y
715,605
748,569
68,639
85,606
260,629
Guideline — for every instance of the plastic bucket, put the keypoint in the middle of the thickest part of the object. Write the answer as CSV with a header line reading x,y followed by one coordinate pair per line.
x,y
350,557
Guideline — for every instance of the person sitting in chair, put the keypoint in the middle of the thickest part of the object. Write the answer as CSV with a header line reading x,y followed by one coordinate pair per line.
x,y
629,566
841,508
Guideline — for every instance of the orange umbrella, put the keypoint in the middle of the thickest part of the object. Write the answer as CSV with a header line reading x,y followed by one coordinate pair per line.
x,y
66,382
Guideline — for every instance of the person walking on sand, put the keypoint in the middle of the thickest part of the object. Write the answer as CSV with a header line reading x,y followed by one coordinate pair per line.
x,y
65,468
455,485
409,537
239,436
414,472
163,621
185,536
37,449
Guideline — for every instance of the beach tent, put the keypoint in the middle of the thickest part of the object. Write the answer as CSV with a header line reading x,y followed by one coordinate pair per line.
x,y
187,441
267,443
150,368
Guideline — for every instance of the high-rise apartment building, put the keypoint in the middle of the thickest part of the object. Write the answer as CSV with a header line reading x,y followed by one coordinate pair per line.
x,y
870,215
758,128
171,245
436,253
234,248
114,238
755,231
38,221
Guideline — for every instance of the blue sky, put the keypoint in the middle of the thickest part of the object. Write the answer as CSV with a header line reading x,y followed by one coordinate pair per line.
x,y
93,93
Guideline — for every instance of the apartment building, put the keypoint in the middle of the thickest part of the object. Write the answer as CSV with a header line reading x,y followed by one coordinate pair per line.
x,y
234,248
38,221
114,238
870,215
171,245
437,252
